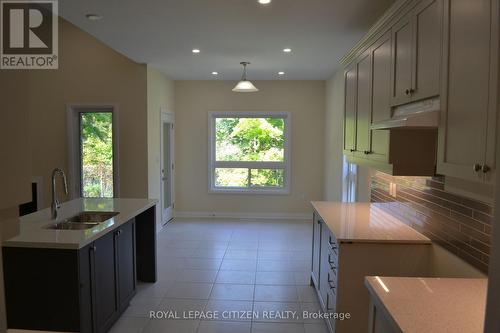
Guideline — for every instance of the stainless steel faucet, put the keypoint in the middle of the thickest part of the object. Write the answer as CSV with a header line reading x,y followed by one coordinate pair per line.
x,y
55,202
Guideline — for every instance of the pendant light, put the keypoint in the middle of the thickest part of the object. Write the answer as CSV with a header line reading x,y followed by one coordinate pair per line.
x,y
244,85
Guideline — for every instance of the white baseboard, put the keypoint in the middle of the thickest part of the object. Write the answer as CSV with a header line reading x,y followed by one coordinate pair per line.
x,y
244,215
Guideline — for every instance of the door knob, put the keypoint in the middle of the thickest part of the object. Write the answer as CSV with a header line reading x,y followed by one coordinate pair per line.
x,y
477,167
485,168
407,92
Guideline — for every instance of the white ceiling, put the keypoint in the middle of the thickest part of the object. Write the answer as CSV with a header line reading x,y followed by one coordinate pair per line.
x,y
162,33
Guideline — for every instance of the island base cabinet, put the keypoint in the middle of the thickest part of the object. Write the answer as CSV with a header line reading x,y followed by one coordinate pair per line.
x,y
113,271
343,266
125,254
44,291
79,290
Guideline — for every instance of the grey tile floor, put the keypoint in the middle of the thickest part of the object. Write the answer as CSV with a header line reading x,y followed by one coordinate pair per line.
x,y
228,265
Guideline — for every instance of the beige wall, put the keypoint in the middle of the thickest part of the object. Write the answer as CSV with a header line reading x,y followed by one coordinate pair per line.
x,y
89,73
160,93
334,119
305,100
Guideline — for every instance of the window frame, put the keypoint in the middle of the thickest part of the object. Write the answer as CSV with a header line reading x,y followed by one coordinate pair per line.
x,y
213,164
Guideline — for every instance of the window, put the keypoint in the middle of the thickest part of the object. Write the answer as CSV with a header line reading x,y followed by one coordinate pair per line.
x,y
350,175
93,157
249,152
96,149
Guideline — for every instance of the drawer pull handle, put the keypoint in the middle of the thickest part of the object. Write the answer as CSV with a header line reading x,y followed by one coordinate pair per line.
x,y
331,283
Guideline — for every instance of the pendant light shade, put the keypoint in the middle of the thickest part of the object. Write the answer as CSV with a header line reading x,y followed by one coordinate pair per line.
x,y
244,85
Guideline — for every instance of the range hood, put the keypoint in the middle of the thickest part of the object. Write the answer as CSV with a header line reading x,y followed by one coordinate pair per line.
x,y
418,115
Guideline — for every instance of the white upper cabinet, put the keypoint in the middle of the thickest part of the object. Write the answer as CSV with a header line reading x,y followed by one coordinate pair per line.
x,y
467,132
350,121
416,53
446,50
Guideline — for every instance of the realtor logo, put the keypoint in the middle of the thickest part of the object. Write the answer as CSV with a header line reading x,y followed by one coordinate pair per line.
x,y
28,35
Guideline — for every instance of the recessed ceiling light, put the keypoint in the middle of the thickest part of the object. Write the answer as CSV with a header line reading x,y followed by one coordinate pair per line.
x,y
215,73
287,50
93,17
196,51
264,2
281,73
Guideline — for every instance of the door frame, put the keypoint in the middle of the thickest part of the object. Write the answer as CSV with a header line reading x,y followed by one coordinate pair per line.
x,y
167,116
74,171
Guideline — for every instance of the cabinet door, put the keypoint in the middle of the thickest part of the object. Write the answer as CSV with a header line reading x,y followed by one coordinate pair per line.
x,y
402,36
125,251
493,105
381,92
350,109
364,105
427,27
464,115
316,248
104,278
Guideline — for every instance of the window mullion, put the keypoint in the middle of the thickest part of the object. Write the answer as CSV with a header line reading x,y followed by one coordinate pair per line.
x,y
249,178
249,165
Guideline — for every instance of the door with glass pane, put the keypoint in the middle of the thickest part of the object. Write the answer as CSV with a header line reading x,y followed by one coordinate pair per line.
x,y
167,167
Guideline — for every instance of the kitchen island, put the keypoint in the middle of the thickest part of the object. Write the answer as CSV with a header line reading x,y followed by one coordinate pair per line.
x,y
79,280
354,240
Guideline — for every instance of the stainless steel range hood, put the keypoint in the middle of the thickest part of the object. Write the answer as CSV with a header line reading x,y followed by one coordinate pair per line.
x,y
418,115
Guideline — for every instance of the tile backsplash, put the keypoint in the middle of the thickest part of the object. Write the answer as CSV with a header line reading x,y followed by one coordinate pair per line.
x,y
459,224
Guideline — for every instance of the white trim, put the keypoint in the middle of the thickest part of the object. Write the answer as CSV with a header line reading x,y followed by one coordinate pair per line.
x,y
73,144
241,215
285,165
168,117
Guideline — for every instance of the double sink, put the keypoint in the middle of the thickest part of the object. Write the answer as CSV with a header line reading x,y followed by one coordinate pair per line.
x,y
83,221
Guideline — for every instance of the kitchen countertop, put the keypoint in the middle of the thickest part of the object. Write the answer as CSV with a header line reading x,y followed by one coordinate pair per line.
x,y
365,222
34,234
431,304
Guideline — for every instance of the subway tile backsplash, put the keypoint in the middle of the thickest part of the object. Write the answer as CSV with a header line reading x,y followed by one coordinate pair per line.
x,y
459,224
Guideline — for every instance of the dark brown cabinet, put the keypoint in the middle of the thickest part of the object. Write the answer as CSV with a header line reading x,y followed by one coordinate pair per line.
x,y
103,270
81,290
113,271
125,244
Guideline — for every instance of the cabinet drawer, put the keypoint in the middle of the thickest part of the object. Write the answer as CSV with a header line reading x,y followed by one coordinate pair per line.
x,y
332,282
332,244
331,302
333,261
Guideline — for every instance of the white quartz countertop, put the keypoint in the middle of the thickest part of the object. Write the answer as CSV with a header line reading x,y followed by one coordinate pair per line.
x,y
365,222
438,305
33,232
